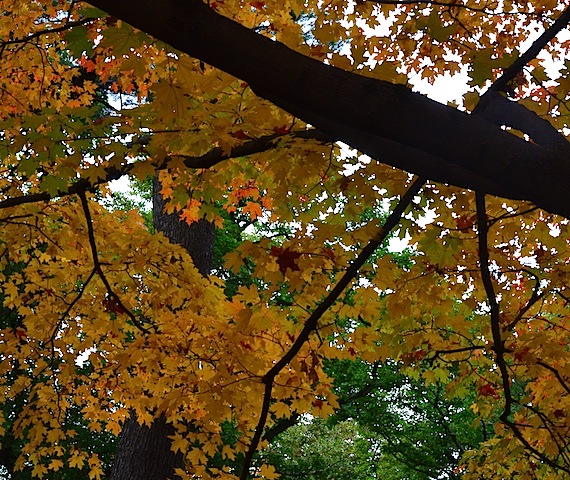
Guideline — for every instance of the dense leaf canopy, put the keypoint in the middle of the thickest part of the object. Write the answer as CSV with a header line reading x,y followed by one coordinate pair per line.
x,y
237,107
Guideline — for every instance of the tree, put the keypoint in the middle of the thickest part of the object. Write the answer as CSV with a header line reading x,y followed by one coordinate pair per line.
x,y
113,321
388,426
418,433
316,451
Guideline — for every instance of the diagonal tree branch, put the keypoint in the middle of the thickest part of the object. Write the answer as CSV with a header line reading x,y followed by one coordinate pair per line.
x,y
312,322
501,84
499,110
498,342
98,268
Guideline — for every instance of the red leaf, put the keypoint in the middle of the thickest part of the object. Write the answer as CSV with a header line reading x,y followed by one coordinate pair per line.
x,y
286,259
281,130
488,391
240,134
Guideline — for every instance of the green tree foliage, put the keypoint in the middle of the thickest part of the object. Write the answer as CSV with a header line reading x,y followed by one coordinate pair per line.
x,y
315,449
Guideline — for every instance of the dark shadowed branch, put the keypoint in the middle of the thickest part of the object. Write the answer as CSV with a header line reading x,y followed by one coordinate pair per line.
x,y
312,322
208,160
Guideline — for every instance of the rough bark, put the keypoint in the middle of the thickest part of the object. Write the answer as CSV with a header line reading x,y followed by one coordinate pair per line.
x,y
388,122
197,239
144,453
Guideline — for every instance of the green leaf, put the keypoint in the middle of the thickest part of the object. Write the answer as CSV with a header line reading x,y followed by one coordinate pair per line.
x,y
78,41
53,185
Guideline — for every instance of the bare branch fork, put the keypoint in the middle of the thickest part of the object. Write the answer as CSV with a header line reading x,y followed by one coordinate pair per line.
x,y
312,322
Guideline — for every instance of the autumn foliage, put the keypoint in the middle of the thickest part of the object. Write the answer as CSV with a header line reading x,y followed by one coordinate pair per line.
x,y
103,317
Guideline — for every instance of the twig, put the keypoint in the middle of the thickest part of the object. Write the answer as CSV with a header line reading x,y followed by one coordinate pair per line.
x,y
557,374
535,297
451,5
48,31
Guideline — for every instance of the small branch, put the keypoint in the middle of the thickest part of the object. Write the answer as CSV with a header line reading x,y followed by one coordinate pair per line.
x,y
312,322
540,456
557,374
451,5
535,297
48,31
97,265
512,215
438,353
207,160
71,305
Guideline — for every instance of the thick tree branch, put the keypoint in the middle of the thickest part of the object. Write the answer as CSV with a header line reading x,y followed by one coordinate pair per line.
x,y
501,84
281,426
501,111
360,111
496,108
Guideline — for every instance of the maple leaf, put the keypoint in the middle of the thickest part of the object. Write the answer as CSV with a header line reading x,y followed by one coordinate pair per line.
x,y
179,443
258,5
253,209
282,130
240,134
286,258
488,390
268,472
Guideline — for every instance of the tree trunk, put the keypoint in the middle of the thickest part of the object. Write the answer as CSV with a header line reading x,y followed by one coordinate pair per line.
x,y
197,239
144,453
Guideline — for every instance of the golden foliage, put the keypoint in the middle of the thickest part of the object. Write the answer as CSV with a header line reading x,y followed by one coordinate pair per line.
x,y
107,318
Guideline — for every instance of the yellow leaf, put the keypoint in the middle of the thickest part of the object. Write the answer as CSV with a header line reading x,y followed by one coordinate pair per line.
x,y
268,472
55,465
179,443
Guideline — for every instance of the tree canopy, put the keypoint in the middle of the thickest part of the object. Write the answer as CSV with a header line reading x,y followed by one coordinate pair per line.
x,y
237,108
